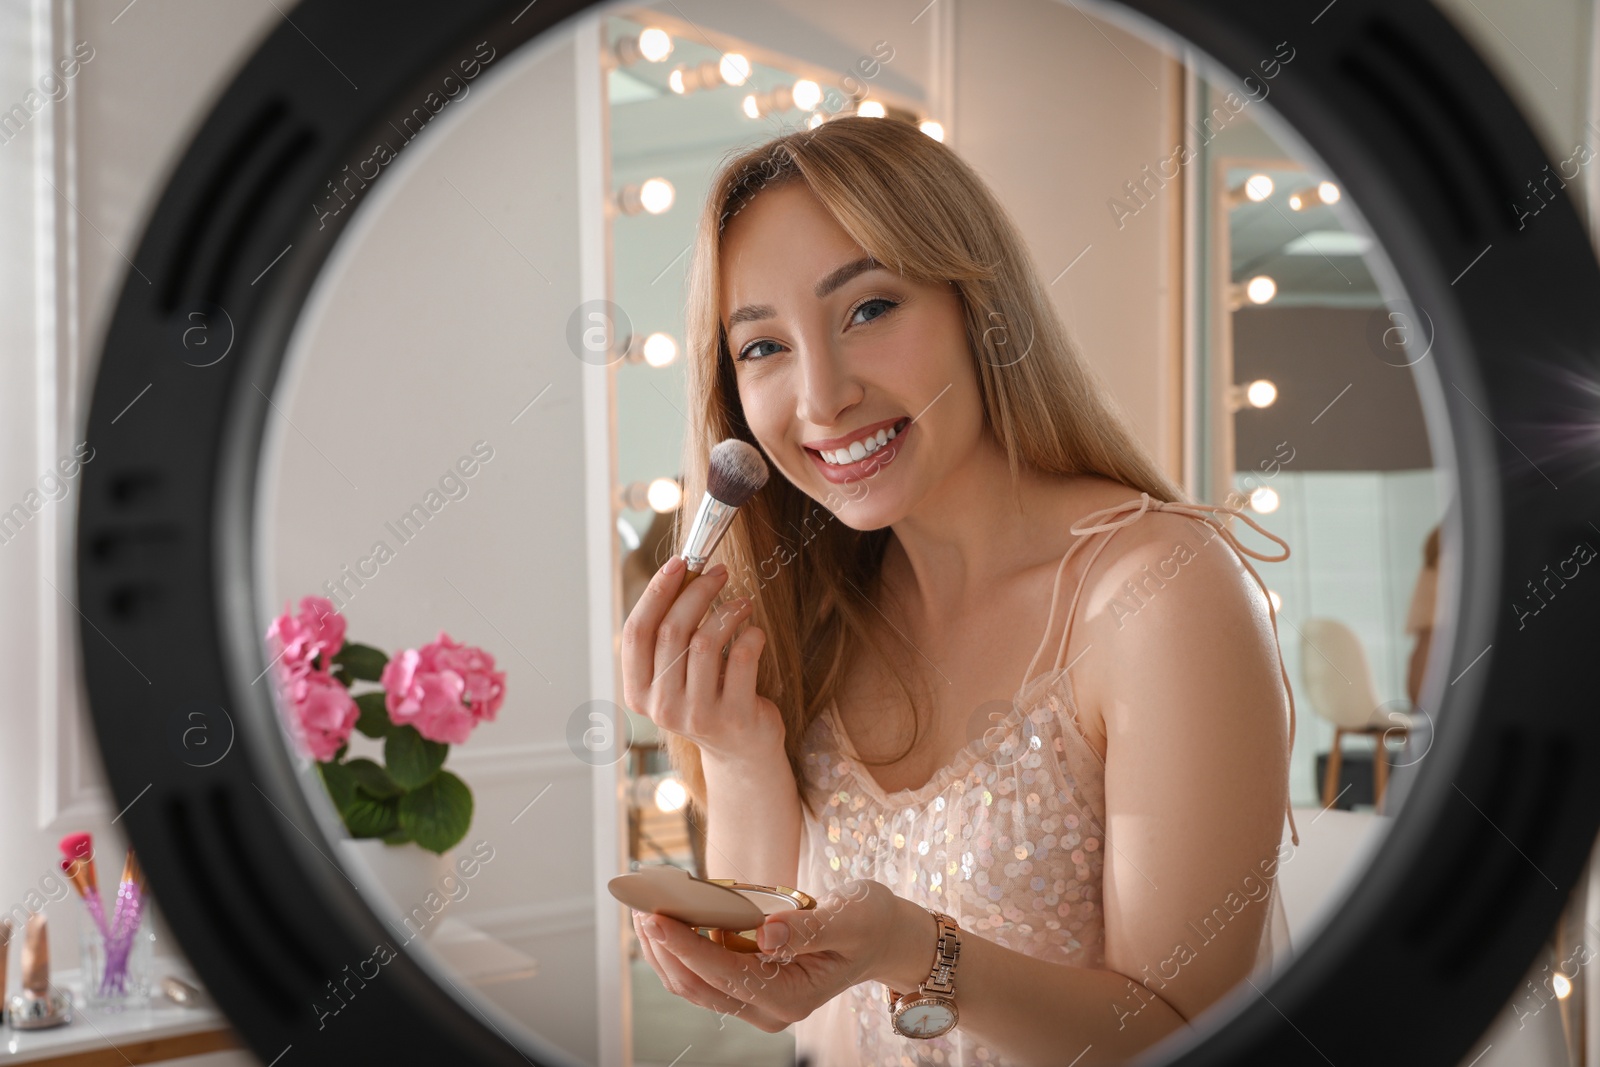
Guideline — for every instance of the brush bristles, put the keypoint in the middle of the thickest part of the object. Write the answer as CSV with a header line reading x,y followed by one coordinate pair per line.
x,y
737,472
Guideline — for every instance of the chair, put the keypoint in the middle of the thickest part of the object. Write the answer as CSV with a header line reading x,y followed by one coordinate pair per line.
x,y
1339,687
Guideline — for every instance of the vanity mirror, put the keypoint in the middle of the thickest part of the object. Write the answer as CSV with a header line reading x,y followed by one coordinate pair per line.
x,y
393,532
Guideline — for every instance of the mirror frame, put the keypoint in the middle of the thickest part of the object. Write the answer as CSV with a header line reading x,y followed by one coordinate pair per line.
x,y
1391,97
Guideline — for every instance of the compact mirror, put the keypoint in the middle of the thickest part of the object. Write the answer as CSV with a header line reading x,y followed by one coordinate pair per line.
x,y
464,410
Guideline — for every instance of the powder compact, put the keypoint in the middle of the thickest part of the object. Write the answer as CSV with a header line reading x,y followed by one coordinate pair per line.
x,y
729,912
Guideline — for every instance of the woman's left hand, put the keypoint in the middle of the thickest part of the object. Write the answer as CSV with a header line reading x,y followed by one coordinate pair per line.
x,y
809,956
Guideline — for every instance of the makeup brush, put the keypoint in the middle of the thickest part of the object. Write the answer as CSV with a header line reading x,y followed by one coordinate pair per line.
x,y
130,911
77,851
737,472
130,867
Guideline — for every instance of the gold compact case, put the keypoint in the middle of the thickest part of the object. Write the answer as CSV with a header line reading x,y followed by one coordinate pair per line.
x,y
729,912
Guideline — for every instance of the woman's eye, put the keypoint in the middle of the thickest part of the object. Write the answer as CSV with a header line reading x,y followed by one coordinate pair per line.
x,y
744,353
886,305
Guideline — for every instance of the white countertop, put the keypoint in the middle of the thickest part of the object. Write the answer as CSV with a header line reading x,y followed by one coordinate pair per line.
x,y
94,1028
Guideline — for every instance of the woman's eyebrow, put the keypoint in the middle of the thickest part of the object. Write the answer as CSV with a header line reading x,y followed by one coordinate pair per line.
x,y
832,281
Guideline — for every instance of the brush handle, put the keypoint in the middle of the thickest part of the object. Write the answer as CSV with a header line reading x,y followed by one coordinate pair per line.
x,y
119,948
97,912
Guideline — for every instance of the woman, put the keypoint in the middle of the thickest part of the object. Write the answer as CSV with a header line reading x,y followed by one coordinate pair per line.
x,y
859,278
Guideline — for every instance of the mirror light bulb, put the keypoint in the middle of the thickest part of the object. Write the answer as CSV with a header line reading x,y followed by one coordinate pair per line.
x,y
1261,289
1258,187
735,68
660,349
675,81
1277,601
807,94
871,109
752,107
817,119
1561,984
1297,202
1264,500
1328,192
1261,393
664,495
932,129
655,44
670,795
656,195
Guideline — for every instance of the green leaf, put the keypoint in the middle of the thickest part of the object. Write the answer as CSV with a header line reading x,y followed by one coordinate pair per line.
x,y
373,779
438,814
412,758
367,817
361,661
340,782
374,720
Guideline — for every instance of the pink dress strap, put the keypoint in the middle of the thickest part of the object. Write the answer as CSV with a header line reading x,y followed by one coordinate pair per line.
x,y
1111,519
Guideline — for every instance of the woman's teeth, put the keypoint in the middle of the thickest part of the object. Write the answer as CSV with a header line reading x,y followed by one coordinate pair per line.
x,y
859,450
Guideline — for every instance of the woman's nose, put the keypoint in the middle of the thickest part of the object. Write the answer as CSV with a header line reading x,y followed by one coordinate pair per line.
x,y
826,388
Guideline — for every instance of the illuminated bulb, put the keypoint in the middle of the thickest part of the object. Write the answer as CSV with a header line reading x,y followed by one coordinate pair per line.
x,y
807,94
816,120
1264,501
735,69
1561,984
752,109
1261,289
871,109
655,44
1258,187
1277,601
656,195
1328,192
1296,202
664,495
1261,393
675,81
932,129
660,349
670,795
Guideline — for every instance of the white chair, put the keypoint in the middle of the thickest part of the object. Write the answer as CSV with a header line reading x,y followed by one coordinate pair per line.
x,y
1339,687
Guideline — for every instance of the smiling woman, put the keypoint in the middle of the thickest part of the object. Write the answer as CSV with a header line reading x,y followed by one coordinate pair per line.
x,y
841,301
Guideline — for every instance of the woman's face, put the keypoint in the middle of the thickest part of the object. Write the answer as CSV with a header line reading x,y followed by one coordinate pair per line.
x,y
827,347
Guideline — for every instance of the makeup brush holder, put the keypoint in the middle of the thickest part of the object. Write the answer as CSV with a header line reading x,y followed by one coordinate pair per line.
x,y
116,975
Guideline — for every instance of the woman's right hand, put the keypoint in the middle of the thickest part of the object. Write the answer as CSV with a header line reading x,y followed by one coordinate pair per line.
x,y
672,667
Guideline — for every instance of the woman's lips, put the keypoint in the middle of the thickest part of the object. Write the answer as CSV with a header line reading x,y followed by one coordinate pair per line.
x,y
865,467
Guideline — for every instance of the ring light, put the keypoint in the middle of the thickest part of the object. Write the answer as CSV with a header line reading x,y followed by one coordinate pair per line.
x,y
1459,895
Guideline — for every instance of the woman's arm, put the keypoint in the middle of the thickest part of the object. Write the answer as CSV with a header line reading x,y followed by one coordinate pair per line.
x,y
753,819
1188,686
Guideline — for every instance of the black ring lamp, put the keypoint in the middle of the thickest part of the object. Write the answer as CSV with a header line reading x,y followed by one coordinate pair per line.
x,y
1459,895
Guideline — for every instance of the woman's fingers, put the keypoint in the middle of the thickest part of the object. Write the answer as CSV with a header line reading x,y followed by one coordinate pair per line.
x,y
672,637
744,657
639,635
683,982
704,676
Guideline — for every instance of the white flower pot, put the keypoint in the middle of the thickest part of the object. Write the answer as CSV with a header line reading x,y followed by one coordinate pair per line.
x,y
411,879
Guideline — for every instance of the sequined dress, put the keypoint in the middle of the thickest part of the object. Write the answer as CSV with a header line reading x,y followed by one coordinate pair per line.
x,y
1008,839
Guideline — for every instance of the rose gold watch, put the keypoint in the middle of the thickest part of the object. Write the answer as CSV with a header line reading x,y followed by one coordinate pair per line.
x,y
931,1010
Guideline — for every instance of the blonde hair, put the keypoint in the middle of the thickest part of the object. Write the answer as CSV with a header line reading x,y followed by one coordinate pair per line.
x,y
920,210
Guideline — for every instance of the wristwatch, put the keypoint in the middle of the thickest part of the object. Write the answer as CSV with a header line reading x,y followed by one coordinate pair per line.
x,y
931,1010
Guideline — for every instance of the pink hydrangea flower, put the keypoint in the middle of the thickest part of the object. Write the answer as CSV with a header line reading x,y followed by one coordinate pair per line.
x,y
321,712
324,713
317,629
444,689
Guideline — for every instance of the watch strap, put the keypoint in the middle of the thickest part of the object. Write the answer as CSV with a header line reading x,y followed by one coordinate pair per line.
x,y
941,980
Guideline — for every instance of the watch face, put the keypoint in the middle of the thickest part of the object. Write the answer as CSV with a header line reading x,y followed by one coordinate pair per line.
x,y
928,1018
